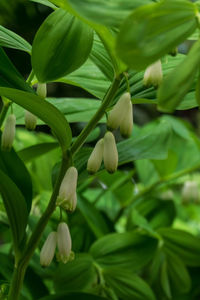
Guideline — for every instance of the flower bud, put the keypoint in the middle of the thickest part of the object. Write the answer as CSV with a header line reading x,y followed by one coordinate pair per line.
x,y
64,242
69,205
30,120
42,90
110,154
117,114
96,157
190,191
126,126
8,134
67,193
153,74
48,249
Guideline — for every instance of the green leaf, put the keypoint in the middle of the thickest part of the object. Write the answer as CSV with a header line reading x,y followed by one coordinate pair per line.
x,y
61,45
45,111
75,275
32,152
131,250
45,2
108,13
164,280
179,80
73,296
126,285
9,76
12,166
93,217
182,244
141,41
10,39
15,206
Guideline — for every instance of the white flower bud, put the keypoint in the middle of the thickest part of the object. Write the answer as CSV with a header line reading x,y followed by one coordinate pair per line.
x,y
96,157
48,249
190,191
69,205
8,134
30,120
153,74
67,193
126,125
42,90
64,242
110,154
118,113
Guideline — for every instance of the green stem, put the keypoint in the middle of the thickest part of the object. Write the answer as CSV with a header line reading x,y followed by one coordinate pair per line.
x,y
99,114
6,105
30,77
21,265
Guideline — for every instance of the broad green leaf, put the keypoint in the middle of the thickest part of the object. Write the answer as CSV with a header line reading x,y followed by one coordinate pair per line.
x,y
180,278
12,166
126,285
75,275
15,206
131,250
93,217
141,41
109,13
61,45
44,110
179,80
45,2
183,244
9,76
73,296
10,39
32,152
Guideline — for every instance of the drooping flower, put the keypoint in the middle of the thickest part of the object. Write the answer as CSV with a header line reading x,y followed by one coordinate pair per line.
x,y
118,113
153,75
48,249
64,242
67,193
190,191
8,134
110,154
42,90
96,157
30,120
126,125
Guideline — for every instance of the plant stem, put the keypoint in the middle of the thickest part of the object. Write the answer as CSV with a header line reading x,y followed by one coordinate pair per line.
x,y
22,263
99,114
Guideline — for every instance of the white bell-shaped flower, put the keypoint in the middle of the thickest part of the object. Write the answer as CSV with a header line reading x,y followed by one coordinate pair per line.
x,y
42,90
126,125
30,120
8,134
64,242
96,157
110,154
48,249
153,74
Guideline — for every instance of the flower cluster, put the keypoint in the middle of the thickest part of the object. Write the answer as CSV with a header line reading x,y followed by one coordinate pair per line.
x,y
62,240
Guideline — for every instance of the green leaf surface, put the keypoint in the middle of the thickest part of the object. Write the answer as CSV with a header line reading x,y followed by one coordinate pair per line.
x,y
131,250
93,217
15,207
13,166
61,45
45,111
10,39
183,244
45,2
75,275
126,285
73,296
180,81
9,76
32,152
141,41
